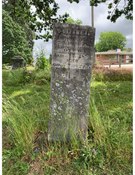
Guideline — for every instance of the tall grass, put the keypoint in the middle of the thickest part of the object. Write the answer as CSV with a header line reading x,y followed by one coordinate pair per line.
x,y
25,124
112,141
105,74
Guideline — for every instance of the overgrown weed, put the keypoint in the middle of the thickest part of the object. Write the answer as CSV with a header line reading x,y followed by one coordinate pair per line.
x,y
101,73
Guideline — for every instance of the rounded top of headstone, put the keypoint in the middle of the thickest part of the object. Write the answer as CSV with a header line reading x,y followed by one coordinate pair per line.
x,y
17,58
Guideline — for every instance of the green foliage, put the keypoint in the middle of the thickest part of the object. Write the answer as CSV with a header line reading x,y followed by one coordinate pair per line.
x,y
42,77
110,41
6,66
12,77
11,7
50,59
42,17
42,62
25,76
25,123
110,124
72,21
21,166
14,40
114,7
28,76
44,14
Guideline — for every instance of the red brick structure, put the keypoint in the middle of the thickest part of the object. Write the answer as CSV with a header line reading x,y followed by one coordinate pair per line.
x,y
112,57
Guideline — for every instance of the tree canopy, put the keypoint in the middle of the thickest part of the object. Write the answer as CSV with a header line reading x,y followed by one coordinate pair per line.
x,y
10,6
110,41
14,40
116,8
39,15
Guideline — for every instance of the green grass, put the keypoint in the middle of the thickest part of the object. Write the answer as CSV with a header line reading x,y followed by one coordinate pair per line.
x,y
25,122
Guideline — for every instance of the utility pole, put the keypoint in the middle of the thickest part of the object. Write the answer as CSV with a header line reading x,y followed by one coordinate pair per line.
x,y
92,16
92,24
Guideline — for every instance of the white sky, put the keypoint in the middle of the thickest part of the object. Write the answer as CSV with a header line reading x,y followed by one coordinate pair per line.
x,y
82,11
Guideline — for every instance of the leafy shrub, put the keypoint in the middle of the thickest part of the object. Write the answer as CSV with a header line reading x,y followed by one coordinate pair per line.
x,y
106,74
28,76
14,40
42,62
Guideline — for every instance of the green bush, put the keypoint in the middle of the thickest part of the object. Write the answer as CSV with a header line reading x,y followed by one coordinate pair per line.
x,y
28,76
42,62
14,40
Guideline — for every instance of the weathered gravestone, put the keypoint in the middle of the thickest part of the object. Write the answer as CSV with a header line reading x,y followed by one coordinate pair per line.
x,y
17,62
72,59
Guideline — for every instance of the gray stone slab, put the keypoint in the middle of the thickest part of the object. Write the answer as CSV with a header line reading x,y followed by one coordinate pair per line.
x,y
72,59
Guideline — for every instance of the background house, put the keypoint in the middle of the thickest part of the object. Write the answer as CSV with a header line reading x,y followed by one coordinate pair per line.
x,y
113,57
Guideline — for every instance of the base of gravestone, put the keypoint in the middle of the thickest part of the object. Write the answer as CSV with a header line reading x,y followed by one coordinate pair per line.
x,y
69,129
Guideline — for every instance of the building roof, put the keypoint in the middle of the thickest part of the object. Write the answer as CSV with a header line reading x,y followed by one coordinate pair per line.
x,y
114,53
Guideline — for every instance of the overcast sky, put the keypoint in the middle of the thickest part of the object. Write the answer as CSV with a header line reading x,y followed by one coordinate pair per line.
x,y
82,11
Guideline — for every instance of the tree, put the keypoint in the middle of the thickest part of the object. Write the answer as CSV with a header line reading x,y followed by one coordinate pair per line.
x,y
42,62
14,40
39,15
114,7
72,21
110,41
10,6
